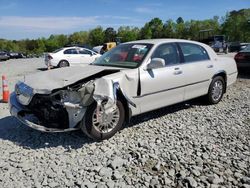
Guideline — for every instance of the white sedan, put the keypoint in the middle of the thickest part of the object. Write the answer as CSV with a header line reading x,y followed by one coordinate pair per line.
x,y
70,56
131,79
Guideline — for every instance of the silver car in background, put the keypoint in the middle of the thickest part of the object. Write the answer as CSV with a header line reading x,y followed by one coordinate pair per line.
x,y
131,79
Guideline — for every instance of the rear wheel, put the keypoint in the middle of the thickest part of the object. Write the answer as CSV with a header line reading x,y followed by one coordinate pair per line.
x,y
99,125
216,90
63,63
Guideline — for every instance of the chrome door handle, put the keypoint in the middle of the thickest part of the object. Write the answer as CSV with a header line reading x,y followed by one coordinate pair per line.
x,y
210,66
177,72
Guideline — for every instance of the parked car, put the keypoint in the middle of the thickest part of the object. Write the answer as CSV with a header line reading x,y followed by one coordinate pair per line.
x,y
236,46
133,78
15,55
70,56
4,56
97,49
242,58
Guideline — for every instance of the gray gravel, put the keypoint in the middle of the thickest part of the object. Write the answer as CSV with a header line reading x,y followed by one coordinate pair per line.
x,y
185,145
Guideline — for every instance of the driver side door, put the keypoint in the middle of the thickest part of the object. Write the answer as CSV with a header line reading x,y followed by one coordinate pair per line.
x,y
162,86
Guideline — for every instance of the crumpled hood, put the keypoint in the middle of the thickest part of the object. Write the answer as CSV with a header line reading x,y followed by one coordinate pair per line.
x,y
46,81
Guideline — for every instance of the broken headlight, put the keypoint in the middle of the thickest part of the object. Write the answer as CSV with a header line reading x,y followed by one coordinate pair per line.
x,y
24,93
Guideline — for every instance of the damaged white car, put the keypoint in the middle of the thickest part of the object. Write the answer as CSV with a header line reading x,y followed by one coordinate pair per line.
x,y
131,79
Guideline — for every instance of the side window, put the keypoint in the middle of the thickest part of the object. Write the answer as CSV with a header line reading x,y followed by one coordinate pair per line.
x,y
168,52
193,52
86,52
70,51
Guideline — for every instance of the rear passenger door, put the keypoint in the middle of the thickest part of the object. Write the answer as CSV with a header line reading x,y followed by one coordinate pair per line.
x,y
85,56
197,70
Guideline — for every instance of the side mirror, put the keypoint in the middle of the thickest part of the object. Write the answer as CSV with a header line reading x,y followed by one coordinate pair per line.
x,y
156,63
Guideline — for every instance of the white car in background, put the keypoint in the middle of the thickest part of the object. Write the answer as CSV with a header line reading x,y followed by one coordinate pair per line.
x,y
70,56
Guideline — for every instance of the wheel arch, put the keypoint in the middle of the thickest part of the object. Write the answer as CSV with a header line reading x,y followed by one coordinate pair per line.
x,y
223,74
124,101
61,61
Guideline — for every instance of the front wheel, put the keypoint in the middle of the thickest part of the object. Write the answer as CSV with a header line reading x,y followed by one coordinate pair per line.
x,y
216,90
99,125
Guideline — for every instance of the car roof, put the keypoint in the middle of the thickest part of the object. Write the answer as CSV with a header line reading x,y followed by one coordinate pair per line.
x,y
74,47
159,41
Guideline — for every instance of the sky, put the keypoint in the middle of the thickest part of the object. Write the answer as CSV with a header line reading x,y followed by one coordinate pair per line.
x,y
21,19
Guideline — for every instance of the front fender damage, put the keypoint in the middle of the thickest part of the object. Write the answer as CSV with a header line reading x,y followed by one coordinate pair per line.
x,y
105,91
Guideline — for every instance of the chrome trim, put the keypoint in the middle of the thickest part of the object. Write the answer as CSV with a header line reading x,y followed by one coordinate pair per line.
x,y
236,72
171,88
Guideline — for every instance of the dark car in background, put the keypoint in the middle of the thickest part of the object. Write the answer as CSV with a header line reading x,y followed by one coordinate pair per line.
x,y
242,58
4,56
15,55
236,46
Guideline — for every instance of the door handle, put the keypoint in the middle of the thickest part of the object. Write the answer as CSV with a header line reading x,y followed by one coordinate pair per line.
x,y
178,72
210,66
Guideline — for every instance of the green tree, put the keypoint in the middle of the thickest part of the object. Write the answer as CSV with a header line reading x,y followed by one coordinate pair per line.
x,y
78,38
169,29
128,33
96,36
156,26
146,32
179,20
110,34
237,26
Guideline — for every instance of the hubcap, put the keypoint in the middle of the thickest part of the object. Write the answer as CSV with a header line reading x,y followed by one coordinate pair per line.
x,y
64,64
217,90
103,122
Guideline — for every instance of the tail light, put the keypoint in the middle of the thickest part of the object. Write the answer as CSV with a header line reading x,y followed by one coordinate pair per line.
x,y
50,57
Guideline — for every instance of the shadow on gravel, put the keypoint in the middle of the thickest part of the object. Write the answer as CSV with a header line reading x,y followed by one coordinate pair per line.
x,y
1,101
14,131
42,69
166,110
244,73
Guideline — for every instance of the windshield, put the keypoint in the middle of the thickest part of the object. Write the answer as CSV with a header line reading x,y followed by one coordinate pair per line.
x,y
246,49
125,55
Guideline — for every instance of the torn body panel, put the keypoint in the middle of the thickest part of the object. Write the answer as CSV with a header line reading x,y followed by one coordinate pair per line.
x,y
65,108
107,88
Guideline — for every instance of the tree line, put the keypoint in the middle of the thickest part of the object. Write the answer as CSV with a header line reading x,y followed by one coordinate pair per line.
x,y
235,25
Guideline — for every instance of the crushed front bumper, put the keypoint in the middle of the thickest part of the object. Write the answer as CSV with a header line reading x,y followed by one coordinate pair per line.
x,y
26,117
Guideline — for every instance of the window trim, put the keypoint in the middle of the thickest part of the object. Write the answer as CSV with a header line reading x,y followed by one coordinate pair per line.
x,y
177,52
182,54
70,53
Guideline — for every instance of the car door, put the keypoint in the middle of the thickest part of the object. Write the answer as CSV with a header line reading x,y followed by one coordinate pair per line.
x,y
86,56
71,56
161,87
197,69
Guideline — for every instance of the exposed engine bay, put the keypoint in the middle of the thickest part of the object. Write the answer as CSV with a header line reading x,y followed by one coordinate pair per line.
x,y
64,108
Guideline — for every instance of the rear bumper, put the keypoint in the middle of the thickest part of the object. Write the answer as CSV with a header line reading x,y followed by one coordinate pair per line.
x,y
26,117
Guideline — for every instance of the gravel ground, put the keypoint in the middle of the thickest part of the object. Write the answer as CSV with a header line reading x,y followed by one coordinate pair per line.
x,y
185,145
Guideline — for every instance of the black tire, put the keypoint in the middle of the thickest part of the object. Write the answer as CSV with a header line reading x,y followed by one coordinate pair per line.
x,y
63,63
88,127
216,90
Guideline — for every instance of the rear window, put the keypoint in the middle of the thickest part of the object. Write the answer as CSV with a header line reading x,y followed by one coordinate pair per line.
x,y
57,50
193,52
